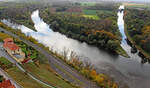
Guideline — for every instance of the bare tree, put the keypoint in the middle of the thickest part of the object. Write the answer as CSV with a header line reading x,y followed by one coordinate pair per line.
x,y
65,53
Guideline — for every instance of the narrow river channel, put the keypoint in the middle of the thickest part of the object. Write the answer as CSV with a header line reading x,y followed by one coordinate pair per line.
x,y
124,70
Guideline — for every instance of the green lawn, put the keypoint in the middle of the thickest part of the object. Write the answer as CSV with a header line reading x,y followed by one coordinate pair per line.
x,y
27,50
5,61
45,73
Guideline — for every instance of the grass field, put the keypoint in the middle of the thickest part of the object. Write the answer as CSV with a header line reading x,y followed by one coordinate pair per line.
x,y
5,61
95,17
135,5
90,12
88,4
45,73
23,79
95,12
20,77
3,7
42,71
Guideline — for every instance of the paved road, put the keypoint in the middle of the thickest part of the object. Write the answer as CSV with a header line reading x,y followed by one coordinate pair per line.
x,y
59,66
5,75
3,53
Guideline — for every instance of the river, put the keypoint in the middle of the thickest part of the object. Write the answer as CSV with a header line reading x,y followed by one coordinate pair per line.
x,y
128,71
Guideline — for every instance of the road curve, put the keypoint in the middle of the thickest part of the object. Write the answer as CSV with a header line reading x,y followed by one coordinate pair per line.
x,y
59,66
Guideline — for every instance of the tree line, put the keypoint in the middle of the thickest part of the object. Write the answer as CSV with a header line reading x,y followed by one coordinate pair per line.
x,y
102,33
138,26
73,25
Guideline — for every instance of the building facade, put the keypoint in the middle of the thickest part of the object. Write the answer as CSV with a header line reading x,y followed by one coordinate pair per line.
x,y
13,50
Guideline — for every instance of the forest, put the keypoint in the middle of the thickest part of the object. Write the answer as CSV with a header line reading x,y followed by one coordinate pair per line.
x,y
19,13
94,24
138,27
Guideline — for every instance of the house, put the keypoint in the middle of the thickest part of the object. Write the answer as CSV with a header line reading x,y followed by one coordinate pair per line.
x,y
7,84
13,50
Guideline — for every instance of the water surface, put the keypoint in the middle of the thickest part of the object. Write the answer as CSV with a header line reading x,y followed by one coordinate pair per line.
x,y
126,70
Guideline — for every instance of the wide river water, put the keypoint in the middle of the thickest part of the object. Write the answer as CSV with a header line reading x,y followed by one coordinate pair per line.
x,y
125,70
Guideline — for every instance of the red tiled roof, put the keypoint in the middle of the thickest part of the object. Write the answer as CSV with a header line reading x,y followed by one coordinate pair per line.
x,y
11,46
8,43
8,40
6,84
12,86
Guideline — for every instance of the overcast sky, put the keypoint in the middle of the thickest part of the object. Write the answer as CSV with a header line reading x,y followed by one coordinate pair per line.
x,y
93,0
131,0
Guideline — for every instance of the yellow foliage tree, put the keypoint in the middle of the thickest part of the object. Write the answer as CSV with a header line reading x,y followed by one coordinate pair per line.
x,y
99,79
93,74
3,36
115,85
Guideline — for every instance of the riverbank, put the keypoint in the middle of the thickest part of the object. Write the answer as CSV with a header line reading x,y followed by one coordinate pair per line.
x,y
146,54
122,52
102,40
96,33
59,68
46,74
40,67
